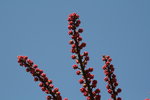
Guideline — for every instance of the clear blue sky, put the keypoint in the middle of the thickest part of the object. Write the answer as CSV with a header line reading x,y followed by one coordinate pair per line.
x,y
38,29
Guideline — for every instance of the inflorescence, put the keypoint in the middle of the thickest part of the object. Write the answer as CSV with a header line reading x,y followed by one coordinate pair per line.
x,y
38,74
89,84
87,80
111,78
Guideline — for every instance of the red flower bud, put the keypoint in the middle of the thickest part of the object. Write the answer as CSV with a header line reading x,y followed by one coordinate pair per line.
x,y
109,91
48,97
119,98
73,56
97,91
78,72
81,81
36,79
119,90
70,32
43,75
41,84
80,30
75,66
71,42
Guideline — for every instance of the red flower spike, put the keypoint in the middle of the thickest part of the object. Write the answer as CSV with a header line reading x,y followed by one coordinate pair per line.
x,y
110,78
87,80
82,59
38,75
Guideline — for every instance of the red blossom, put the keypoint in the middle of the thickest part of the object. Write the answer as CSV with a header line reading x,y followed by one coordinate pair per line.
x,y
111,78
45,84
81,59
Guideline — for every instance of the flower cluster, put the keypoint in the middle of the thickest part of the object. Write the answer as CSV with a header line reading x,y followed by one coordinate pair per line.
x,y
111,78
89,84
38,74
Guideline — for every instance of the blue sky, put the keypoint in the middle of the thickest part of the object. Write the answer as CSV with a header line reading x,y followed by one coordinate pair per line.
x,y
38,29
